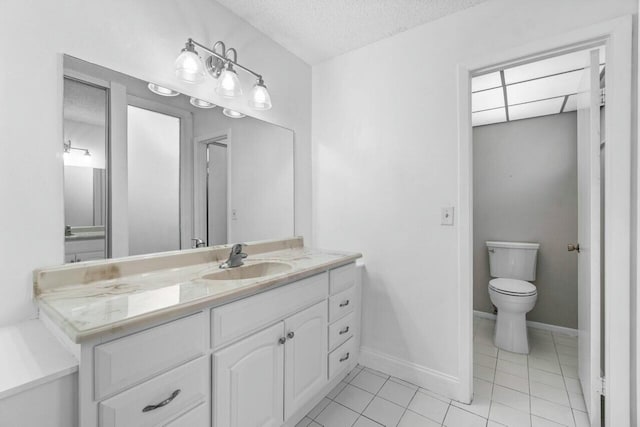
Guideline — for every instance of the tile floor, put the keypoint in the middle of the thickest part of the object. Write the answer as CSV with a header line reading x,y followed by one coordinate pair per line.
x,y
538,390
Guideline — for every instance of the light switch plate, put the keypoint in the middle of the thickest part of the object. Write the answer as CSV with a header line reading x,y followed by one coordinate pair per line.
x,y
446,216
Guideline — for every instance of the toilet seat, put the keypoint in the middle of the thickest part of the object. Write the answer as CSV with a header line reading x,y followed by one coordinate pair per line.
x,y
513,287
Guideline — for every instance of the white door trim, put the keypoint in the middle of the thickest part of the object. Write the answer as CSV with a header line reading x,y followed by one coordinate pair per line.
x,y
616,35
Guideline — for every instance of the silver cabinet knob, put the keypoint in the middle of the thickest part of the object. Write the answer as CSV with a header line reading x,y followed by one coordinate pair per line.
x,y
282,340
290,335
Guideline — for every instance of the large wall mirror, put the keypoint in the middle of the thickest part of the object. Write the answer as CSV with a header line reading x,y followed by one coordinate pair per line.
x,y
146,173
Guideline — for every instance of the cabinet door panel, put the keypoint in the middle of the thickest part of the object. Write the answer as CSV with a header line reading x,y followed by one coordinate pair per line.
x,y
305,356
249,381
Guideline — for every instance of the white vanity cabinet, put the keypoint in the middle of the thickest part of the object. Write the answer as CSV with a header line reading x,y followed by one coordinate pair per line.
x,y
261,361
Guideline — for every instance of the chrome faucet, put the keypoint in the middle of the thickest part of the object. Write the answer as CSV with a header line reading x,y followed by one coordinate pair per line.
x,y
198,243
235,257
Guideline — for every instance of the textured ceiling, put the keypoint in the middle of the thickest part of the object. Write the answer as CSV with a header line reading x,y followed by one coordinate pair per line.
x,y
316,30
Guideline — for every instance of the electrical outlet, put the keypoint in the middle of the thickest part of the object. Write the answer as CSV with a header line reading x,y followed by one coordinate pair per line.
x,y
446,216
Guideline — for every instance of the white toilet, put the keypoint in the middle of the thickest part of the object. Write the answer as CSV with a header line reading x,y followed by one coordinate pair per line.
x,y
513,265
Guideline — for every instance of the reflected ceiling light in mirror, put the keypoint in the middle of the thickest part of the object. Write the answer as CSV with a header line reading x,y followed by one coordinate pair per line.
x,y
67,151
161,90
220,65
189,67
233,114
200,103
259,97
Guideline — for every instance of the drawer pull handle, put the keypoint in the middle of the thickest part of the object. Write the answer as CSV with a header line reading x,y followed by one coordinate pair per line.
x,y
290,335
343,358
282,340
344,303
163,403
344,330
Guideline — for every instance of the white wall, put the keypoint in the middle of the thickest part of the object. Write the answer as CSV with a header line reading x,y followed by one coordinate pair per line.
x,y
142,39
385,160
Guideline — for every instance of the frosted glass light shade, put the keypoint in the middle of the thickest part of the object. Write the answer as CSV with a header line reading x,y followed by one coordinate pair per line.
x,y
259,97
229,84
201,103
189,67
233,114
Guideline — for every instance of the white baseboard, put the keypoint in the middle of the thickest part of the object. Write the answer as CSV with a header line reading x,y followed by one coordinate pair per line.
x,y
433,380
536,325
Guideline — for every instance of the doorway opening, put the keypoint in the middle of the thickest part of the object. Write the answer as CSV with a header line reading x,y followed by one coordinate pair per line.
x,y
538,226
217,191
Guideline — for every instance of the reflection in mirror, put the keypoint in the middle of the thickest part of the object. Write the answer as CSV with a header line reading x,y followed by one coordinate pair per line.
x,y
176,169
85,142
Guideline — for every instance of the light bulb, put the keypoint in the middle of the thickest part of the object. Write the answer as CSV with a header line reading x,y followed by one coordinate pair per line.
x,y
229,84
233,114
259,98
161,90
200,103
189,66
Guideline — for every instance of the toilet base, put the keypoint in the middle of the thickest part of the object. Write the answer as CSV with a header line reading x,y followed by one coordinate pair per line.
x,y
511,332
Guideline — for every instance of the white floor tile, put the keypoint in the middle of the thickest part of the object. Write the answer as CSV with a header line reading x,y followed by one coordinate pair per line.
x,y
484,360
397,393
567,350
366,422
488,349
520,359
384,412
511,398
548,378
537,421
512,368
411,419
577,401
552,394
491,423
479,406
582,419
509,416
404,383
435,395
336,415
482,388
368,381
428,406
569,371
319,408
459,418
354,398
314,424
304,422
552,366
375,372
573,385
336,390
551,411
483,373
512,381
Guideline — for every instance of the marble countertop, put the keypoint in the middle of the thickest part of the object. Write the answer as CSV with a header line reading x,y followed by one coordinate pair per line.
x,y
89,299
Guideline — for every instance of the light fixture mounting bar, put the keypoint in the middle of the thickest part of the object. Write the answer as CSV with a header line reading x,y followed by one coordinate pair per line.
x,y
223,58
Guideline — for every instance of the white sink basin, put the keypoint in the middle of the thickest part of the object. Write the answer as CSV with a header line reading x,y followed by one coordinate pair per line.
x,y
252,271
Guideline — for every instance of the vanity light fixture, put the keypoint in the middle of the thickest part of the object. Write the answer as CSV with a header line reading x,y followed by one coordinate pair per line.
x,y
68,148
233,113
161,90
220,65
201,103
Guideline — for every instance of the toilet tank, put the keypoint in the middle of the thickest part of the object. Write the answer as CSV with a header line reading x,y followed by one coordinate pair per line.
x,y
513,260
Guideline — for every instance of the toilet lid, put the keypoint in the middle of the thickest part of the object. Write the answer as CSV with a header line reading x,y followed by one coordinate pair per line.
x,y
512,287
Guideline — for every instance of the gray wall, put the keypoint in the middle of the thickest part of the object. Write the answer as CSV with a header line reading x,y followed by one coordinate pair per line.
x,y
525,189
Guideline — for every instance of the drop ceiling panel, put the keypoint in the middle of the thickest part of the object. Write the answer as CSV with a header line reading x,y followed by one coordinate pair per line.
x,y
535,109
486,81
548,87
487,99
546,67
488,117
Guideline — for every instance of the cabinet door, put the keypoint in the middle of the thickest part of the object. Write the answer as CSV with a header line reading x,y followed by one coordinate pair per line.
x,y
249,381
305,356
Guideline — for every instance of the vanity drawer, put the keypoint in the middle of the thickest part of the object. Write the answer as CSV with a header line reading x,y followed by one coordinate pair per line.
x,y
341,330
188,385
342,357
232,321
196,417
342,278
341,304
129,360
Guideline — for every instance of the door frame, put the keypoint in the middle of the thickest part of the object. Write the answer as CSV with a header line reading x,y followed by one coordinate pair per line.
x,y
199,189
616,35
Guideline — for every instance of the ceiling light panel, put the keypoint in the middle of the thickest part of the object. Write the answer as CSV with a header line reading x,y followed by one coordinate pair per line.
x,y
488,117
572,103
487,99
548,87
546,67
486,81
535,109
